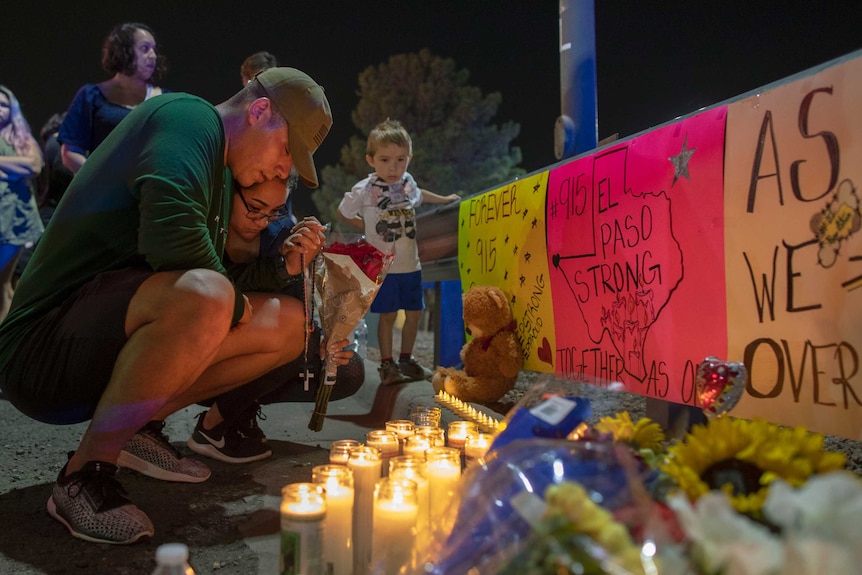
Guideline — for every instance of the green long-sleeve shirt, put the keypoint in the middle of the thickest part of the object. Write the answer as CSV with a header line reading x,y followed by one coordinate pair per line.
x,y
155,193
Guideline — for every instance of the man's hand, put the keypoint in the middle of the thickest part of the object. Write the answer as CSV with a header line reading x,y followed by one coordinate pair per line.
x,y
306,238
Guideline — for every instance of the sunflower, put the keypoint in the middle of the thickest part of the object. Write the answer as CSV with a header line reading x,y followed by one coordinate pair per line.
x,y
742,458
645,434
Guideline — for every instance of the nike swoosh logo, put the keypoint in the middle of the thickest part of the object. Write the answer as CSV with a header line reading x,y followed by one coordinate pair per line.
x,y
219,444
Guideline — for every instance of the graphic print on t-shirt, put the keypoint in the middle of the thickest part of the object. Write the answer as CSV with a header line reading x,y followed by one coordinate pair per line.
x,y
396,218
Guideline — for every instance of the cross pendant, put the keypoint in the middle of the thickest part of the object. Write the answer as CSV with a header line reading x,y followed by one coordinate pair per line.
x,y
307,376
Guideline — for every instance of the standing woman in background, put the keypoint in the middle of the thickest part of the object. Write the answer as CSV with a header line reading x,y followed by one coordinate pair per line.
x,y
257,62
20,163
130,54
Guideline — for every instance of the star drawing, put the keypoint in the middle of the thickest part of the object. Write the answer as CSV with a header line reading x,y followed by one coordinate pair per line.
x,y
680,161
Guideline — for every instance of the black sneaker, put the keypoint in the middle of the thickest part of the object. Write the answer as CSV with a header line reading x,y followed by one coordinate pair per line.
x,y
226,444
390,374
150,452
93,506
412,370
246,424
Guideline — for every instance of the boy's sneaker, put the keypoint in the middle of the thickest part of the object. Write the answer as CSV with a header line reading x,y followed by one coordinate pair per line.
x,y
246,424
390,374
93,506
150,452
413,370
226,443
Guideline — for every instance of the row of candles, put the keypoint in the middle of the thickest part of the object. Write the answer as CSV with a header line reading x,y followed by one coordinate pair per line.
x,y
374,509
484,421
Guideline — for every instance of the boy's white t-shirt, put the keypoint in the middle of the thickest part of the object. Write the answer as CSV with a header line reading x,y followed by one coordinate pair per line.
x,y
390,218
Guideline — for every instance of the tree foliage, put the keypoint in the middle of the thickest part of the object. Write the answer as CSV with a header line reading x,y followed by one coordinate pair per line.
x,y
456,148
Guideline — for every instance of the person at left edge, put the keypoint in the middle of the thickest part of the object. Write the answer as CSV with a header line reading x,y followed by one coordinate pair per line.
x,y
20,163
125,314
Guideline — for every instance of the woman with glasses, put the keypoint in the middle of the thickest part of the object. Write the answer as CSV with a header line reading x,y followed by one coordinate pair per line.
x,y
257,231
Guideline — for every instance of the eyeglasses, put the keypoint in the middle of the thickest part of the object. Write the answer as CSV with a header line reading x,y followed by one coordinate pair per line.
x,y
256,215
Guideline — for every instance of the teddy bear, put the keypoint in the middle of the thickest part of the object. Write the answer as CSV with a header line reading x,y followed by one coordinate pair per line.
x,y
492,358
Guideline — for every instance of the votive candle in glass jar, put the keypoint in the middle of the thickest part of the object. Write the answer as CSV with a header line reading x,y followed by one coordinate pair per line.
x,y
477,446
396,510
436,435
417,445
403,428
424,415
338,524
364,461
339,450
303,509
458,433
412,467
443,467
387,443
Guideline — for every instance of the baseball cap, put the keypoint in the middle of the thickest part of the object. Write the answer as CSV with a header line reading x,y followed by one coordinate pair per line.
x,y
302,103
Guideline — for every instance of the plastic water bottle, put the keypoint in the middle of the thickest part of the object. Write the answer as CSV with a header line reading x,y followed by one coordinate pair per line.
x,y
173,559
360,335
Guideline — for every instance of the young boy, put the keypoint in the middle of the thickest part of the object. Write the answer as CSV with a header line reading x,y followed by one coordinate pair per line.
x,y
382,205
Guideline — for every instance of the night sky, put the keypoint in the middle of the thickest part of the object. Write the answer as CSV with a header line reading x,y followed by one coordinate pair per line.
x,y
656,60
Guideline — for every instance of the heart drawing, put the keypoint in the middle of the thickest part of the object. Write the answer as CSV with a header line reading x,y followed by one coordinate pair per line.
x,y
544,352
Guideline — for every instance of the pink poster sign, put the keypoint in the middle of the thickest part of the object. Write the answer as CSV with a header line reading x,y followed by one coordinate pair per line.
x,y
636,259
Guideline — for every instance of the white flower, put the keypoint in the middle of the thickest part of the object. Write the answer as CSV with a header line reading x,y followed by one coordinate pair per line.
x,y
820,522
724,539
817,557
821,531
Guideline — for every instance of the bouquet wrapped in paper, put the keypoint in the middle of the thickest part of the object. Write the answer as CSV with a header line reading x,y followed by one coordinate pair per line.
x,y
347,277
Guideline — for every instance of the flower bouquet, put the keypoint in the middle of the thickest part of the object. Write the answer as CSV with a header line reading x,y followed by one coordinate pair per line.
x,y
347,277
614,495
551,496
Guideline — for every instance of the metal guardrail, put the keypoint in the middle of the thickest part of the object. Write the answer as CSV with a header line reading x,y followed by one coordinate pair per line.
x,y
437,236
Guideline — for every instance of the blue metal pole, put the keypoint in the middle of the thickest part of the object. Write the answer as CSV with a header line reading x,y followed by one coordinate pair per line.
x,y
577,128
451,328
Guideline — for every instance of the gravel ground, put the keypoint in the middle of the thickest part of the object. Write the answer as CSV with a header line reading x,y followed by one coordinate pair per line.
x,y
604,402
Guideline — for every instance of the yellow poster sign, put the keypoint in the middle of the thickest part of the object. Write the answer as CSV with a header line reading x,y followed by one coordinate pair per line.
x,y
501,242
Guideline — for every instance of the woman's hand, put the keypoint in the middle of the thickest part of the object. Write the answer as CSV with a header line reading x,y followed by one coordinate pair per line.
x,y
247,311
14,168
306,239
340,355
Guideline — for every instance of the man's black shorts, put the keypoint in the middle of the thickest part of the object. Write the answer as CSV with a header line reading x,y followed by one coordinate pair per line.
x,y
61,368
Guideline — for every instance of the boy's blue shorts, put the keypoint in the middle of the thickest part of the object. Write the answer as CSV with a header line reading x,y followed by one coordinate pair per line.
x,y
400,291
